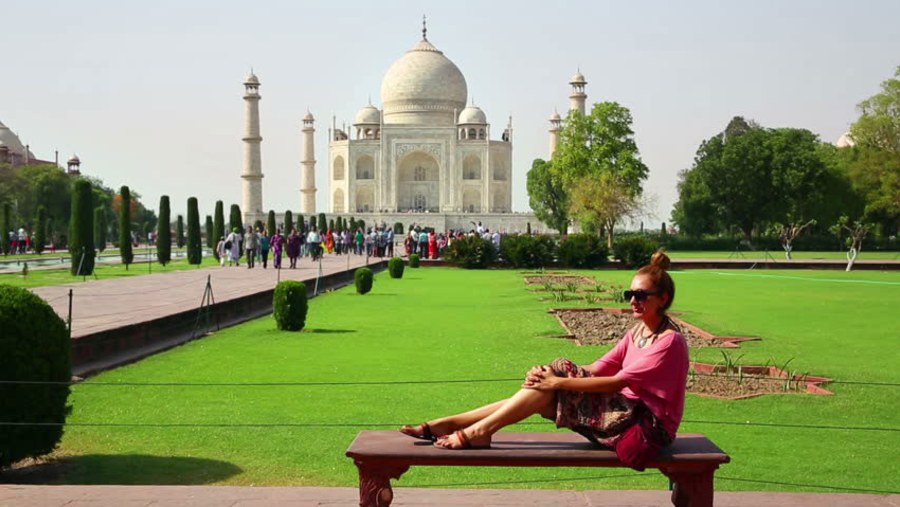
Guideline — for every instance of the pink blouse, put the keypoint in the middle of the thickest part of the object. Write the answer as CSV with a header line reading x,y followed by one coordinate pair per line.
x,y
656,375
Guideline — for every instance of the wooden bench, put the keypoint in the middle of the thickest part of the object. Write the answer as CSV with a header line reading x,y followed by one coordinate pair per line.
x,y
380,456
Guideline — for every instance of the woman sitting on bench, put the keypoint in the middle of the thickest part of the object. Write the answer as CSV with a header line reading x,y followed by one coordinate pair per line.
x,y
630,400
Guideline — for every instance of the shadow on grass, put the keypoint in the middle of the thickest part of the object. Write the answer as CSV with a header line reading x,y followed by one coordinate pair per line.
x,y
121,469
330,331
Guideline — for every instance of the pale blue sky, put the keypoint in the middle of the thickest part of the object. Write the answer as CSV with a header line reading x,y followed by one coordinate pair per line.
x,y
148,94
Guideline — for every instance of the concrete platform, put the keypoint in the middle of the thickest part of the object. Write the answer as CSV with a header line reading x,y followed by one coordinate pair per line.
x,y
210,496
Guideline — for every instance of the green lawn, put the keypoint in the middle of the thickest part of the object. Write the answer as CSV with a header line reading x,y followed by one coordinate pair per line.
x,y
439,324
778,255
61,275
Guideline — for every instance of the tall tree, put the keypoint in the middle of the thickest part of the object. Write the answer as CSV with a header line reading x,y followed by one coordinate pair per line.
x,y
125,227
179,231
40,230
600,143
605,200
288,222
547,196
210,238
218,226
879,123
301,224
81,229
323,223
5,225
234,219
194,246
99,232
164,232
271,225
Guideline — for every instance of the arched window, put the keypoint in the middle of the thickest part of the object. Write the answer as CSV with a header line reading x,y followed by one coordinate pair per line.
x,y
365,168
471,133
420,174
420,202
338,168
480,133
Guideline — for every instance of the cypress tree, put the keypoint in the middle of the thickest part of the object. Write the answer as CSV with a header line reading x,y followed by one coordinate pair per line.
x,y
125,227
81,229
164,232
99,233
288,222
331,224
208,227
194,247
323,224
270,222
361,224
352,224
104,228
4,240
218,226
234,219
179,231
301,224
40,233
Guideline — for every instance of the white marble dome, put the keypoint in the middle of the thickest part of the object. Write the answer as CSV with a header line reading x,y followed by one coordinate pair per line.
x,y
368,115
423,87
11,140
251,79
578,78
845,141
472,114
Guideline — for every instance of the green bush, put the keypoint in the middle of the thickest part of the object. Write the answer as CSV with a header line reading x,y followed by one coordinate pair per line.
x,y
289,305
414,260
583,251
524,251
34,347
398,228
363,280
395,267
472,252
634,251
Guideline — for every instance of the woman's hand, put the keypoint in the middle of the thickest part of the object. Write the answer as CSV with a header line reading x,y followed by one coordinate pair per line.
x,y
541,378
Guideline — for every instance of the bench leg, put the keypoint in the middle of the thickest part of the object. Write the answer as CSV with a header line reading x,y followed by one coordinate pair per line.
x,y
693,488
375,483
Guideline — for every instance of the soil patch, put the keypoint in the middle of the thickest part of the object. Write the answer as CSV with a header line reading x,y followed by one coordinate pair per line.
x,y
743,382
560,280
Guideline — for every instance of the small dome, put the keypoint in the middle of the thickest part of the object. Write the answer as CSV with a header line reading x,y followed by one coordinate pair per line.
x,y
555,117
308,117
578,78
368,115
845,141
472,114
251,79
74,160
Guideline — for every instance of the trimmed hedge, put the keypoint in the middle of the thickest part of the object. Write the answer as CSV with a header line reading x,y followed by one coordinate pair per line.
x,y
289,305
527,251
395,267
414,260
583,251
363,280
472,252
635,251
34,347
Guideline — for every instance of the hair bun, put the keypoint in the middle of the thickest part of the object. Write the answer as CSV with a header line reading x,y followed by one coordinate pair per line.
x,y
660,260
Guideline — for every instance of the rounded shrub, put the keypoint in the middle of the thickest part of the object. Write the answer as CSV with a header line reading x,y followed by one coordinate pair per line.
x,y
472,252
34,347
634,251
289,305
395,267
583,251
414,260
363,280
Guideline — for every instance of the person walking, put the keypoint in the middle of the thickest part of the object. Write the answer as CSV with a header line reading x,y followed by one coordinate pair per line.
x,y
293,247
264,243
233,244
251,243
277,244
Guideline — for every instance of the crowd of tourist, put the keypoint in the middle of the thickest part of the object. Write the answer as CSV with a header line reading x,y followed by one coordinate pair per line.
x,y
20,242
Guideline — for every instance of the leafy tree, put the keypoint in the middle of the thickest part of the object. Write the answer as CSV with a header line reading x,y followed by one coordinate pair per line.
x,y
164,232
323,224
81,229
787,233
547,196
40,230
288,222
605,200
179,232
5,225
125,227
218,226
270,222
879,123
194,245
600,143
856,233
210,238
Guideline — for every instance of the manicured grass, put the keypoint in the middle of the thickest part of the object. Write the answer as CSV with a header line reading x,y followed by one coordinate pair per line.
x,y
439,324
61,275
778,255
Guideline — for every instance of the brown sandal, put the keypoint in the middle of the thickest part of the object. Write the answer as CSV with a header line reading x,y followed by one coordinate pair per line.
x,y
422,432
465,443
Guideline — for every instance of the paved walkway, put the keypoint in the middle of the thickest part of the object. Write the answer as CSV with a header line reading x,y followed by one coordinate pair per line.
x,y
210,496
101,305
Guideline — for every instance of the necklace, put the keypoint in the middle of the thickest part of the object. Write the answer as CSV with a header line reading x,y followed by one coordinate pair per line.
x,y
642,341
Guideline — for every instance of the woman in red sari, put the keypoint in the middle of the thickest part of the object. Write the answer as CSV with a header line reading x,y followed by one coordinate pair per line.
x,y
432,245
329,241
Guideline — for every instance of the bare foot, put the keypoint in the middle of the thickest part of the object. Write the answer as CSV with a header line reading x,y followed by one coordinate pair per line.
x,y
460,440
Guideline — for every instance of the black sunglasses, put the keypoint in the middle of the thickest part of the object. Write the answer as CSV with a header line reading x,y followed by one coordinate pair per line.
x,y
639,295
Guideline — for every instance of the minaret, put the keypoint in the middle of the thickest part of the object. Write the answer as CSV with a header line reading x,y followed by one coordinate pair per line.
x,y
251,205
578,97
308,171
555,124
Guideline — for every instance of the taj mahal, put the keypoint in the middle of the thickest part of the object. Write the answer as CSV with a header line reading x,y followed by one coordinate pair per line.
x,y
428,156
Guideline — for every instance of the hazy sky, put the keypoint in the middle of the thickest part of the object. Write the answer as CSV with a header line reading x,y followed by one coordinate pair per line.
x,y
148,94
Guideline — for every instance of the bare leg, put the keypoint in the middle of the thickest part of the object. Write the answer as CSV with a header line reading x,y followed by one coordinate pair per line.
x,y
446,425
523,404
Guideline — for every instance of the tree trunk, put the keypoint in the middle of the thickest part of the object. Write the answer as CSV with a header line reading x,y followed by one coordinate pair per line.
x,y
787,249
851,258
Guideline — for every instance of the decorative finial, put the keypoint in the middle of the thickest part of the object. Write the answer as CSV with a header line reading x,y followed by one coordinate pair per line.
x,y
424,29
